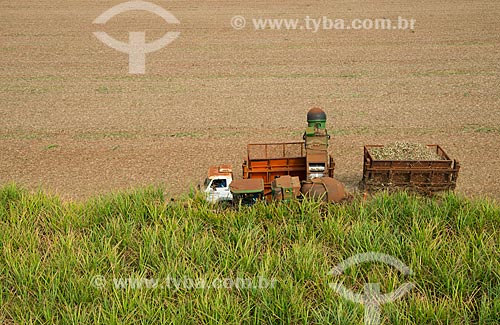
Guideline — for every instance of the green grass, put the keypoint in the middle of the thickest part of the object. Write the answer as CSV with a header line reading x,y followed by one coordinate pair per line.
x,y
109,90
448,73
51,147
480,129
52,252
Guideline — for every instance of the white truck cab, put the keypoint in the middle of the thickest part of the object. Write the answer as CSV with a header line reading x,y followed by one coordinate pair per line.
x,y
216,185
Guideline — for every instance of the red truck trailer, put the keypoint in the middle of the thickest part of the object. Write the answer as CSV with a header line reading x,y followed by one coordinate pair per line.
x,y
271,160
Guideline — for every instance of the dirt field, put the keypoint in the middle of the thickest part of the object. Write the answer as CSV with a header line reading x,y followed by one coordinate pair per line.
x,y
73,121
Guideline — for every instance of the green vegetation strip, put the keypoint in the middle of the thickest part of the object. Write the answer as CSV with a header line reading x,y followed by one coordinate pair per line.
x,y
58,260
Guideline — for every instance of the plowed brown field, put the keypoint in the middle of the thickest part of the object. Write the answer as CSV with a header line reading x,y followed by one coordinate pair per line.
x,y
73,121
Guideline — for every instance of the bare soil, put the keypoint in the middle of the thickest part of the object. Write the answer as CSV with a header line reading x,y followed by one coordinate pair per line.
x,y
74,122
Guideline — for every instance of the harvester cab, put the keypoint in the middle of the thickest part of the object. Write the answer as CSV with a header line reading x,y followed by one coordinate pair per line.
x,y
216,185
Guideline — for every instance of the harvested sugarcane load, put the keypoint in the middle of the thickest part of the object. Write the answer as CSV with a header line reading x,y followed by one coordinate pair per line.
x,y
403,165
405,151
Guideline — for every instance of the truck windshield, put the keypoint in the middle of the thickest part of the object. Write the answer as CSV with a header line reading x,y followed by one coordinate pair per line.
x,y
219,183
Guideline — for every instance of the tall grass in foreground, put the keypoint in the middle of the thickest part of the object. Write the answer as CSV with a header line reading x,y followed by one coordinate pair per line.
x,y
53,252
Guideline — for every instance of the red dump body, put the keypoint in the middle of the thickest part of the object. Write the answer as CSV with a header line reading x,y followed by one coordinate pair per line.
x,y
270,160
